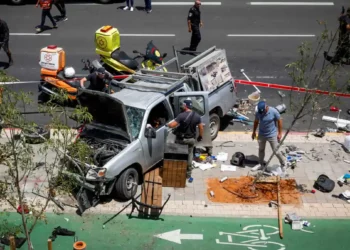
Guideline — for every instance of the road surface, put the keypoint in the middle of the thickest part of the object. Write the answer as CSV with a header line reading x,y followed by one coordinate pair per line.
x,y
258,37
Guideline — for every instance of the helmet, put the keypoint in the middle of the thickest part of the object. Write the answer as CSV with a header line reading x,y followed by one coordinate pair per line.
x,y
69,72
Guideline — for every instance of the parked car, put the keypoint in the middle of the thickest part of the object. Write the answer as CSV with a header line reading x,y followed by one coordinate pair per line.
x,y
20,2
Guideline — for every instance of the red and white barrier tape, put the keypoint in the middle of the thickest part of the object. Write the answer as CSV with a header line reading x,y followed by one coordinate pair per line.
x,y
290,88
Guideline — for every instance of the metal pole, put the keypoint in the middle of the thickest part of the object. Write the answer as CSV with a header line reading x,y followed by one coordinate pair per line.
x,y
177,59
242,71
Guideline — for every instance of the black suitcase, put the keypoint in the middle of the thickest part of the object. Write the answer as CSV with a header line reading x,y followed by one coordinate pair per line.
x,y
324,184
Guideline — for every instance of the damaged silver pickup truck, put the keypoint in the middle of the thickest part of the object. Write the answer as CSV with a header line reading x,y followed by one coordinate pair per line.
x,y
128,133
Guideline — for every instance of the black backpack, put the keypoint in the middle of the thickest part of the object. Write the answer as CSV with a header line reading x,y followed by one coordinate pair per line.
x,y
324,184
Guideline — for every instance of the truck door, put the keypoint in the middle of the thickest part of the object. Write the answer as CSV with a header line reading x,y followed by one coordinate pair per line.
x,y
201,106
153,148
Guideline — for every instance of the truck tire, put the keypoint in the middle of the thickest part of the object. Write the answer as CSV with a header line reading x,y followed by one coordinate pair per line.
x,y
214,125
124,187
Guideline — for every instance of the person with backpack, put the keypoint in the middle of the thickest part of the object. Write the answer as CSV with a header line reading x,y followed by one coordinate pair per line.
x,y
186,123
46,6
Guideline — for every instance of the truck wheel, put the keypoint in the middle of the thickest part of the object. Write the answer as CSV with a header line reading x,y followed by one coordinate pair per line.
x,y
125,188
214,126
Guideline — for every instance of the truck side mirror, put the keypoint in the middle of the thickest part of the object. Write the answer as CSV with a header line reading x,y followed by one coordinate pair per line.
x,y
150,133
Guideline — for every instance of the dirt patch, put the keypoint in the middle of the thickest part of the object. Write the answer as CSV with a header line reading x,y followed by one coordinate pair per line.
x,y
242,187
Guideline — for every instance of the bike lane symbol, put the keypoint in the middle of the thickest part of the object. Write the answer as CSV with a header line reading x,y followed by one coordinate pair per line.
x,y
253,237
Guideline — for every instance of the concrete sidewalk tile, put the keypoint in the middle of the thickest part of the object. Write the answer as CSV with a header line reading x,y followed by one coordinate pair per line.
x,y
312,205
338,205
327,205
187,202
340,214
344,210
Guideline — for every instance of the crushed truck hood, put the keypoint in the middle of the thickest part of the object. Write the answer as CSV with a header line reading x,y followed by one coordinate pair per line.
x,y
105,109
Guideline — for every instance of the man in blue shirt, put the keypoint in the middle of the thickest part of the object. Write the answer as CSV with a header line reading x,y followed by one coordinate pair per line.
x,y
270,130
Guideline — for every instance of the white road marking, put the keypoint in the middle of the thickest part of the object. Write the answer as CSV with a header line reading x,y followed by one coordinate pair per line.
x,y
185,3
176,236
269,35
159,35
162,3
30,34
293,3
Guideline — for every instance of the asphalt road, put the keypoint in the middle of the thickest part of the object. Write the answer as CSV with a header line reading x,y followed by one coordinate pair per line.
x,y
263,57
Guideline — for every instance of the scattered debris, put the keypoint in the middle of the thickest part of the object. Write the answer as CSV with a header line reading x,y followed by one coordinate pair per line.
x,y
273,203
345,196
324,184
222,156
223,179
228,168
281,108
18,240
281,94
61,231
320,133
238,159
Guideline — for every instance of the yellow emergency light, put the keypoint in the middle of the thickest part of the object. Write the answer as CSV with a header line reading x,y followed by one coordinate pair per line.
x,y
107,40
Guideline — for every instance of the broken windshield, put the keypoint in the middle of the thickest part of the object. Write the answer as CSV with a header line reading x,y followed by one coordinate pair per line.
x,y
135,117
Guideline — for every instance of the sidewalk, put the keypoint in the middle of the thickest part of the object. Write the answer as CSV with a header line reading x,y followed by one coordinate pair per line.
x,y
193,199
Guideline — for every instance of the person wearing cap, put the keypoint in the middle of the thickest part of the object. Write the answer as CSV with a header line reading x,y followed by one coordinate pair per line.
x,y
186,123
97,80
194,23
270,130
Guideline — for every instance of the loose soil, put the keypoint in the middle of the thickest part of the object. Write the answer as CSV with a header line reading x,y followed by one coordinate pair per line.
x,y
242,187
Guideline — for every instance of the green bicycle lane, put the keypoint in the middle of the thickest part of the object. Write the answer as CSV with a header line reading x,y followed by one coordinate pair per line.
x,y
176,232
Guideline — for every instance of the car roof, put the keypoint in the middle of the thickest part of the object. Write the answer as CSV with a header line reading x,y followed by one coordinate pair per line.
x,y
137,98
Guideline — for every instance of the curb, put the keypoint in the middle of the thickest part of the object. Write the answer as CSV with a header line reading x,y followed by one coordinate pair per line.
x,y
295,137
209,209
54,133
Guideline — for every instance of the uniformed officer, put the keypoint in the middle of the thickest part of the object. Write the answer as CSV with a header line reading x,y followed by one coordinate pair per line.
x,y
342,54
194,22
4,40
